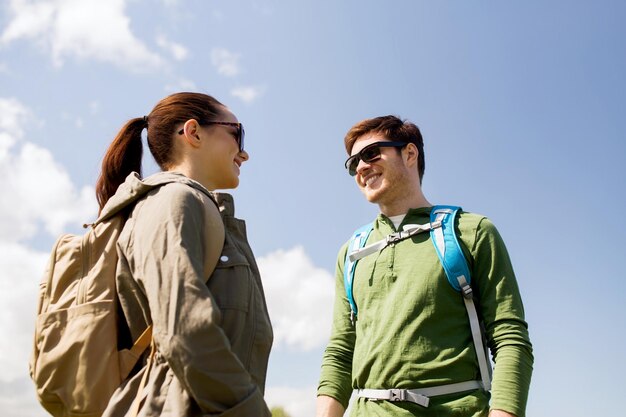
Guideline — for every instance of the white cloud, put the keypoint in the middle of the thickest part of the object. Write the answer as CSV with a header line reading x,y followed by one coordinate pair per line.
x,y
226,62
12,116
299,298
30,19
84,29
42,191
178,51
297,402
247,94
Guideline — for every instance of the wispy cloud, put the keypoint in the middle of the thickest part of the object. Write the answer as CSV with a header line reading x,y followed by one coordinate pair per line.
x,y
247,94
227,64
300,298
181,84
178,51
94,106
83,29
225,61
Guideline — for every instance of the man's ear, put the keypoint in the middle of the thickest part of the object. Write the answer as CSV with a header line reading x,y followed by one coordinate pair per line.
x,y
191,131
411,154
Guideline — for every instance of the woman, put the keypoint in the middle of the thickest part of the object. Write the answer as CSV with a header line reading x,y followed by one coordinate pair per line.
x,y
185,265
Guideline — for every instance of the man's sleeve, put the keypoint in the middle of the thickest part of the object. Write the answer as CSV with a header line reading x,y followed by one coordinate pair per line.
x,y
503,314
336,372
169,249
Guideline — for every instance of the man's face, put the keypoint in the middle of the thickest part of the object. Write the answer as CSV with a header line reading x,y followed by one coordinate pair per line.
x,y
382,180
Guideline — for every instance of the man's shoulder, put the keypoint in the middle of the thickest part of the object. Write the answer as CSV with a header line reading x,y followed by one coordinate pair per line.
x,y
475,221
470,218
473,228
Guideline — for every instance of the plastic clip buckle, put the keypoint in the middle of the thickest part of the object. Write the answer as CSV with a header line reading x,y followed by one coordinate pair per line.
x,y
397,236
397,395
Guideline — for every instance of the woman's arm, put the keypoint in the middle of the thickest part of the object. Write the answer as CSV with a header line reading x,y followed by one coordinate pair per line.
x,y
177,232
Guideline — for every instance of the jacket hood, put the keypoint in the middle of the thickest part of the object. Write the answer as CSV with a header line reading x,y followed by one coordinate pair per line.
x,y
134,188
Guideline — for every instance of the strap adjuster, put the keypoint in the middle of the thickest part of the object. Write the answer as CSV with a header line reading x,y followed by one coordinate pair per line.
x,y
466,289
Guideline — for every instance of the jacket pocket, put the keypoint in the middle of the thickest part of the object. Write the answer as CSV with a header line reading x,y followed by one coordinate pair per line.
x,y
230,283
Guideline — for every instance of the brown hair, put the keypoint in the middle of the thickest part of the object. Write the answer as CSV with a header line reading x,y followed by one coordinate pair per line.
x,y
125,152
392,128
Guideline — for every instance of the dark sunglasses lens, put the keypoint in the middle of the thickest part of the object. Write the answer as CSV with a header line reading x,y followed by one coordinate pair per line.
x,y
242,135
370,153
352,163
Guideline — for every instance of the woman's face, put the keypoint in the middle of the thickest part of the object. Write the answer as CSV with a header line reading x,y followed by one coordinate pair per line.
x,y
221,152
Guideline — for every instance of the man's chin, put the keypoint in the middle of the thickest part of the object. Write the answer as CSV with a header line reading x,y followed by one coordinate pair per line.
x,y
372,195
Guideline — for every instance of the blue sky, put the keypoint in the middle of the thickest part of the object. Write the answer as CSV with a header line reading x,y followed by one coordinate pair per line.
x,y
518,104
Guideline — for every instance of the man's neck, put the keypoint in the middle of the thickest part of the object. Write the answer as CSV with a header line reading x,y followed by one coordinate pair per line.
x,y
402,206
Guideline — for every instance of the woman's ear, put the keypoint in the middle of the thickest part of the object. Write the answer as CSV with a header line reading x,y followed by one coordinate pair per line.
x,y
191,133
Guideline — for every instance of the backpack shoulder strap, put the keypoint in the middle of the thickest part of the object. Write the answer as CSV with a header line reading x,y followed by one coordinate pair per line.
x,y
447,245
357,241
457,271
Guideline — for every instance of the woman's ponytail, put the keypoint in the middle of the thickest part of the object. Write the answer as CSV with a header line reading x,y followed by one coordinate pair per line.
x,y
123,157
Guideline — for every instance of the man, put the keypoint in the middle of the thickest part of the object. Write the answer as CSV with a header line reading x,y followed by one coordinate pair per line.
x,y
411,339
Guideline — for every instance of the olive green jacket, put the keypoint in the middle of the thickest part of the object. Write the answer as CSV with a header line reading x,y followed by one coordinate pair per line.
x,y
210,322
413,331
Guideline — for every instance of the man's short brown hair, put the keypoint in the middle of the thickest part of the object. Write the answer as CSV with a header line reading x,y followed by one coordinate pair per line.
x,y
392,128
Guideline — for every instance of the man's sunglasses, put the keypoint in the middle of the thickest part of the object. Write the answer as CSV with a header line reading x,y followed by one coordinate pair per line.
x,y
369,154
239,134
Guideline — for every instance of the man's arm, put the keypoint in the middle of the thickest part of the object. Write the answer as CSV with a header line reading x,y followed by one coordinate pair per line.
x,y
503,314
330,407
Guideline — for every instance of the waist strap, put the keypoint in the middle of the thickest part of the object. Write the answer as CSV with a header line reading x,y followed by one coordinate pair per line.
x,y
418,396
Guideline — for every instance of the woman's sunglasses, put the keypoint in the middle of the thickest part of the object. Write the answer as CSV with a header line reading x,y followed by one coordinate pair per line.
x,y
369,154
239,134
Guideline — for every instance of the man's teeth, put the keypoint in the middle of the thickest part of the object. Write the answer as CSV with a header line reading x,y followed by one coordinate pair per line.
x,y
371,179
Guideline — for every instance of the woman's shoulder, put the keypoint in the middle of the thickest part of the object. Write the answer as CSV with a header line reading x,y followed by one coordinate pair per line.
x,y
173,201
178,191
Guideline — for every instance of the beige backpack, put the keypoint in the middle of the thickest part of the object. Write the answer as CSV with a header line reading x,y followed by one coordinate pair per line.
x,y
76,364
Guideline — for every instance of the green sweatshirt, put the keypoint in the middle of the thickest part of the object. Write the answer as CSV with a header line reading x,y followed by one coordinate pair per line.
x,y
413,331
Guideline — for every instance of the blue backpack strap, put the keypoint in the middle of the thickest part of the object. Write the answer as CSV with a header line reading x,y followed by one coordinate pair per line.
x,y
447,245
357,241
455,265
